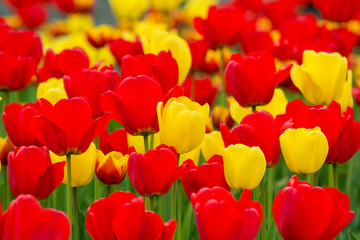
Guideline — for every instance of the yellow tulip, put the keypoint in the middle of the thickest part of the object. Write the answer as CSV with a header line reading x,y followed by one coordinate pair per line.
x,y
179,49
346,99
111,168
276,106
321,77
304,150
198,8
182,123
128,9
165,5
212,144
244,166
194,155
138,142
82,166
52,90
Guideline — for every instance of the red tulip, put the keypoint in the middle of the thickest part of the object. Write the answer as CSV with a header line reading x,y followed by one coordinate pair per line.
x,y
120,48
31,172
246,83
337,11
257,41
116,141
133,104
26,219
154,172
33,15
204,91
91,84
219,216
305,212
73,6
256,129
209,174
67,127
122,215
279,12
17,120
198,49
162,67
67,62
212,28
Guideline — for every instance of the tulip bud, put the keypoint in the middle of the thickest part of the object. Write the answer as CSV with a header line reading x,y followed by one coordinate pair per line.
x,y
52,90
182,123
111,168
304,150
244,166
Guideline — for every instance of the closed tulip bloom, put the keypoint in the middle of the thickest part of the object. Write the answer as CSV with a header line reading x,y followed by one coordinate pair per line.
x,y
154,172
31,172
182,123
244,166
122,47
219,216
6,146
304,150
336,11
100,35
209,174
321,77
111,168
213,144
26,219
116,141
304,212
17,120
164,41
82,166
248,85
91,84
52,90
127,219
67,127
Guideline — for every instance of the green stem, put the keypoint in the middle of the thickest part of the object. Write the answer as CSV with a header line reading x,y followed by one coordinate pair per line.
x,y
76,215
6,192
68,185
173,201
147,203
270,195
152,141
108,190
146,142
335,173
253,108
53,199
263,203
96,180
349,177
163,207
152,203
315,178
179,220
331,175
222,94
304,177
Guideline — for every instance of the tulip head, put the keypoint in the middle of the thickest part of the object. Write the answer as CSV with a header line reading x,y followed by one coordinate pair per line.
x,y
213,144
244,166
304,150
182,123
111,168
321,77
52,90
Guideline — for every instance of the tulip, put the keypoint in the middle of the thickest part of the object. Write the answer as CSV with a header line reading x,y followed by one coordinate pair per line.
x,y
111,168
121,47
154,172
91,84
197,8
127,219
182,123
128,9
31,172
52,90
193,155
133,104
6,146
74,6
346,98
257,41
161,67
279,12
32,15
26,219
219,216
67,127
244,166
82,166
246,84
221,114
116,141
17,120
67,62
200,90
333,10
209,174
212,29
178,47
304,150
100,35
321,77
212,145
305,212
256,129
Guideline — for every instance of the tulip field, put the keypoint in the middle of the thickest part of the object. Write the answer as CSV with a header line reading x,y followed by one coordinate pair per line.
x,y
181,119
